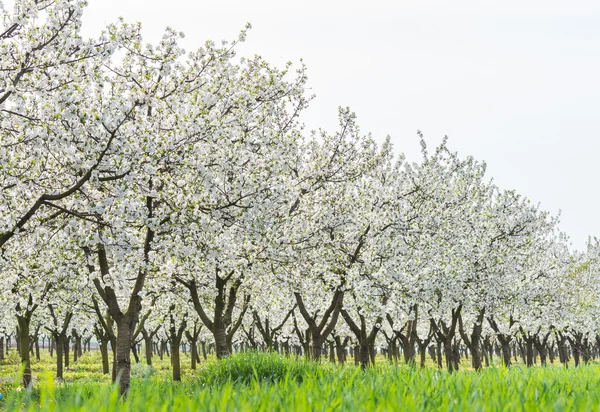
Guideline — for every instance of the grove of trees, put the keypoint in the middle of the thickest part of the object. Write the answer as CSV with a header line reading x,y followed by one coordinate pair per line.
x,y
161,199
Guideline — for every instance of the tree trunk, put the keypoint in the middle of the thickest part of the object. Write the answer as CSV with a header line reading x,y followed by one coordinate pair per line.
x,y
505,345
341,348
445,335
331,345
423,355
220,335
563,352
60,345
24,322
104,355
36,343
176,362
438,352
320,330
135,353
449,354
473,342
176,334
485,355
148,349
203,345
66,353
317,344
194,353
123,354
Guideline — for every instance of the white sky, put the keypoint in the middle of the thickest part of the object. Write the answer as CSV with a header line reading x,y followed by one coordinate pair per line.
x,y
514,83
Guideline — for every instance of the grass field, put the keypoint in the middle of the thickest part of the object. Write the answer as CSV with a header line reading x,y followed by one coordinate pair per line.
x,y
261,382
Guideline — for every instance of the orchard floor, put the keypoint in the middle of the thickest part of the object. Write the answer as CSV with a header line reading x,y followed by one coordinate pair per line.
x,y
260,382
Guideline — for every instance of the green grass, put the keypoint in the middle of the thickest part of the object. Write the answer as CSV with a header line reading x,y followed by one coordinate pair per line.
x,y
262,382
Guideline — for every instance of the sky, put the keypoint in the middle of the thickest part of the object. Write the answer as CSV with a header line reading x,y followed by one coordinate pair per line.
x,y
513,83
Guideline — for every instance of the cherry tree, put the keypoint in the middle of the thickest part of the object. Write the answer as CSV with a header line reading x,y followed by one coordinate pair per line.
x,y
54,140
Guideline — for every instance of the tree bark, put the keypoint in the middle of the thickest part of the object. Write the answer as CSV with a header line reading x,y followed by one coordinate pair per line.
x,y
60,347
445,335
125,321
365,338
148,349
123,358
66,351
24,322
340,347
222,325
104,355
504,340
176,334
320,331
473,342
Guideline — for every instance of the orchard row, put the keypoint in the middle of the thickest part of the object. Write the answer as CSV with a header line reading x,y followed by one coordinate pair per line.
x,y
152,194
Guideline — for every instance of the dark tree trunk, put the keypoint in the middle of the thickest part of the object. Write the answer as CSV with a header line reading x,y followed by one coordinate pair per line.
x,y
365,358
423,355
438,353
473,342
176,362
365,338
193,353
123,354
125,320
331,346
203,345
529,340
222,325
268,332
148,349
486,358
66,352
504,340
60,346
193,340
445,335
317,346
505,345
407,336
372,352
341,348
563,352
176,334
423,344
220,335
104,355
23,335
320,331
489,348
448,355
529,344
60,339
135,353
36,343
541,344
77,350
